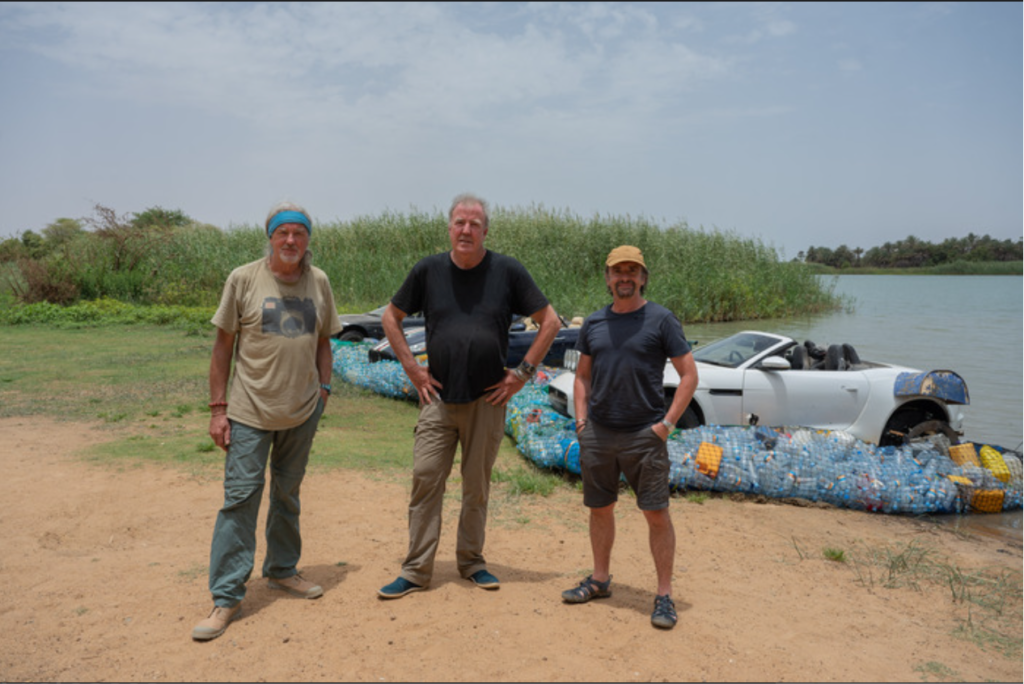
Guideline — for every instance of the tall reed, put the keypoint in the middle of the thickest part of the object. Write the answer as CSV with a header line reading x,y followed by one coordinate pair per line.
x,y
703,276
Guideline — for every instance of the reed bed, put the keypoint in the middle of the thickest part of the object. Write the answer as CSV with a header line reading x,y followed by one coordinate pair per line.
x,y
703,276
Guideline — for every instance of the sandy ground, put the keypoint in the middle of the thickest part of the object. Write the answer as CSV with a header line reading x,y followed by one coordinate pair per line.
x,y
102,576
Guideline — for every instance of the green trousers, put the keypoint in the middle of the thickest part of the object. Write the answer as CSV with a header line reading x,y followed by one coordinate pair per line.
x,y
233,550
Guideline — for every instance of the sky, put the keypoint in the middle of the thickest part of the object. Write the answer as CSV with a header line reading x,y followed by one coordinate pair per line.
x,y
795,124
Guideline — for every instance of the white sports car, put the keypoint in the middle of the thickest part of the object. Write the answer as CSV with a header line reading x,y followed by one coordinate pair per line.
x,y
760,378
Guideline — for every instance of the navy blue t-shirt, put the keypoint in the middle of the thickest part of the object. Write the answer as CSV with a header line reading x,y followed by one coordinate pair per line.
x,y
628,353
468,312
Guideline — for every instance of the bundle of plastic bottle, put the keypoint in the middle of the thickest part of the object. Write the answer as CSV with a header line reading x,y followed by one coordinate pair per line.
x,y
816,465
352,364
821,466
541,434
1014,486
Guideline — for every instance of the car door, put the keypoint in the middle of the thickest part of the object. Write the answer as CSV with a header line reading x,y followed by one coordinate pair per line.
x,y
811,398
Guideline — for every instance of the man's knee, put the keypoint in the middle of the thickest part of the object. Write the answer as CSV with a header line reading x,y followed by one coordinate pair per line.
x,y
659,519
240,494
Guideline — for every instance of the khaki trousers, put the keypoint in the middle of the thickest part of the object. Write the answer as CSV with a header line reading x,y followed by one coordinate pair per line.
x,y
478,428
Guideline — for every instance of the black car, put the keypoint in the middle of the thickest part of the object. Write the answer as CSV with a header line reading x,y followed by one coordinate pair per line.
x,y
357,327
519,341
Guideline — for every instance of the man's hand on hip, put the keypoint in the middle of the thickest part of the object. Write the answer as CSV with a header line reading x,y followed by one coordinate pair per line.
x,y
506,389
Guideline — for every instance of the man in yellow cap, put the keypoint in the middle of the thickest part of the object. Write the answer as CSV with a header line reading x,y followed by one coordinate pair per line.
x,y
622,424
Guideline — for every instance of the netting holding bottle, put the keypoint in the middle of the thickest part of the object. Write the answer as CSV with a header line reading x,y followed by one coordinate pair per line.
x,y
815,465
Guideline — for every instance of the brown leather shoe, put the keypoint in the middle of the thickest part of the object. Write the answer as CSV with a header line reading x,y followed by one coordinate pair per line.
x,y
213,626
296,585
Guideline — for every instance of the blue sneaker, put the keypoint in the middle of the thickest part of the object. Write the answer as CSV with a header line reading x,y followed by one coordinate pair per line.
x,y
484,580
399,588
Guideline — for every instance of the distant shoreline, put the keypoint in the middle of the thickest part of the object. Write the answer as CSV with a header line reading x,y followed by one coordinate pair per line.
x,y
998,268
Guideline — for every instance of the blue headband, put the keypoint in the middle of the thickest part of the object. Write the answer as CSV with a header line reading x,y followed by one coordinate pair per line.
x,y
287,217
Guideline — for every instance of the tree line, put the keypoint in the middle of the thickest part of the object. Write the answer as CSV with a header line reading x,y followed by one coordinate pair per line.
x,y
911,252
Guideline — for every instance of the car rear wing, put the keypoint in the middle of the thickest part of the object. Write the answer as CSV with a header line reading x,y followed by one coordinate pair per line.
x,y
943,384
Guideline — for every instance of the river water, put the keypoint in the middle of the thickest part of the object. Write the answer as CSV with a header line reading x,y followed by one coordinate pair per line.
x,y
973,325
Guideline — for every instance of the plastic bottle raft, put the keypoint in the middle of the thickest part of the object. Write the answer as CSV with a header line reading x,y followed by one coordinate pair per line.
x,y
828,466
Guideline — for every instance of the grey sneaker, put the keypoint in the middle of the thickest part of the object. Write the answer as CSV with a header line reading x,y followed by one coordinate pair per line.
x,y
664,615
297,585
213,626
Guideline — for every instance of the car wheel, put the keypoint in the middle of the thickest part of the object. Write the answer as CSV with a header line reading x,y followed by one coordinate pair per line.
x,y
351,336
689,420
914,423
933,427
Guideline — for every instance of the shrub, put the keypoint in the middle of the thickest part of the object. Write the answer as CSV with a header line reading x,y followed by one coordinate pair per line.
x,y
45,280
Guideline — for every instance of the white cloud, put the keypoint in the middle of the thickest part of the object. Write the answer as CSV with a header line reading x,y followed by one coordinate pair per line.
x,y
337,64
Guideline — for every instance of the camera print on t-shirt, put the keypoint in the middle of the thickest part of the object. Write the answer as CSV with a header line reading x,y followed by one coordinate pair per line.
x,y
289,316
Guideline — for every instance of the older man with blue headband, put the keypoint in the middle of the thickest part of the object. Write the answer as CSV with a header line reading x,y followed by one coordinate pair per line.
x,y
287,216
275,319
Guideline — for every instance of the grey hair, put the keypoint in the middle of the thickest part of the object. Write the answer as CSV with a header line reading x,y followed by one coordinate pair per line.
x,y
470,199
307,258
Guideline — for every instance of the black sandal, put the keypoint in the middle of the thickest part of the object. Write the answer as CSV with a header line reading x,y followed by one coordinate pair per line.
x,y
588,589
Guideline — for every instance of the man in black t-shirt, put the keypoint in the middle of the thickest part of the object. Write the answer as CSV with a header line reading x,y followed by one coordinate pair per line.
x,y
468,297
622,424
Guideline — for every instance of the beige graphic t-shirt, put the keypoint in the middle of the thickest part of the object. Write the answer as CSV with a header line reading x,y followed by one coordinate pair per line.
x,y
275,385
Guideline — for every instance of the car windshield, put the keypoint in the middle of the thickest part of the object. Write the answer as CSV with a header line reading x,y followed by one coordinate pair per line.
x,y
735,350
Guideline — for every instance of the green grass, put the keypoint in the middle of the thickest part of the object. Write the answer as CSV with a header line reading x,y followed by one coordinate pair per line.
x,y
526,478
114,374
835,555
937,672
697,497
147,385
193,572
151,382
990,599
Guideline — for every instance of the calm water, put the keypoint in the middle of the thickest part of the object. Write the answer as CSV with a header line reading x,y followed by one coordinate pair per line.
x,y
973,325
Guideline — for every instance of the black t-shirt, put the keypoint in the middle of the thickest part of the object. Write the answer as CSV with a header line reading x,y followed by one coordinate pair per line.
x,y
467,314
628,354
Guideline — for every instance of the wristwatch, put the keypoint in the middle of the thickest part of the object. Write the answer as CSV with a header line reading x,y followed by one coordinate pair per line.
x,y
667,423
525,370
325,387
